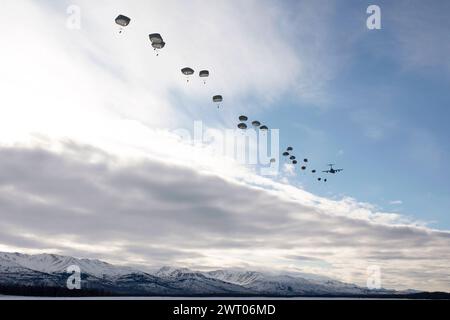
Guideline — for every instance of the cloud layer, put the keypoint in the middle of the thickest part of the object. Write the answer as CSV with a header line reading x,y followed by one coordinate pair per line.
x,y
83,201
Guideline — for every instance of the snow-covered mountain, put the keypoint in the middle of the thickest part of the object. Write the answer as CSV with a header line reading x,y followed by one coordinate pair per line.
x,y
49,270
242,278
52,263
288,285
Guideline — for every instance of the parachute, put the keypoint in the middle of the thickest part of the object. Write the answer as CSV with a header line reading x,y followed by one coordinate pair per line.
x,y
157,42
285,154
204,74
264,128
122,21
303,168
289,149
256,123
319,179
325,180
294,162
242,126
243,118
273,160
305,160
313,171
217,98
187,71
292,158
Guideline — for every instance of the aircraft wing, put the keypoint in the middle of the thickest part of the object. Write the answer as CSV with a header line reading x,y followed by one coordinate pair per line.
x,y
326,171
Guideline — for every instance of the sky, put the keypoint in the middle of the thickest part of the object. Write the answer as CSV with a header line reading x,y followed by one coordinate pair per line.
x,y
93,165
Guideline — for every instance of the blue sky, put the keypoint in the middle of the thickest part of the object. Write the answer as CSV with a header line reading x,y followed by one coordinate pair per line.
x,y
392,126
386,118
389,116
93,168
382,111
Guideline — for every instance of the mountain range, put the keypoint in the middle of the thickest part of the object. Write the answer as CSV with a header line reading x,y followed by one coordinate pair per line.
x,y
46,274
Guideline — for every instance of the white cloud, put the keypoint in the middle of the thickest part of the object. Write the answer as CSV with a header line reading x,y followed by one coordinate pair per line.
x,y
83,201
58,80
289,169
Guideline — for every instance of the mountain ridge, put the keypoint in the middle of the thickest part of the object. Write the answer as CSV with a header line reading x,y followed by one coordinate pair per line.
x,y
50,270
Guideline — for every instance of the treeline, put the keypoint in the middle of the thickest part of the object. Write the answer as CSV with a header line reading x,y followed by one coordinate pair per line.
x,y
56,292
41,291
